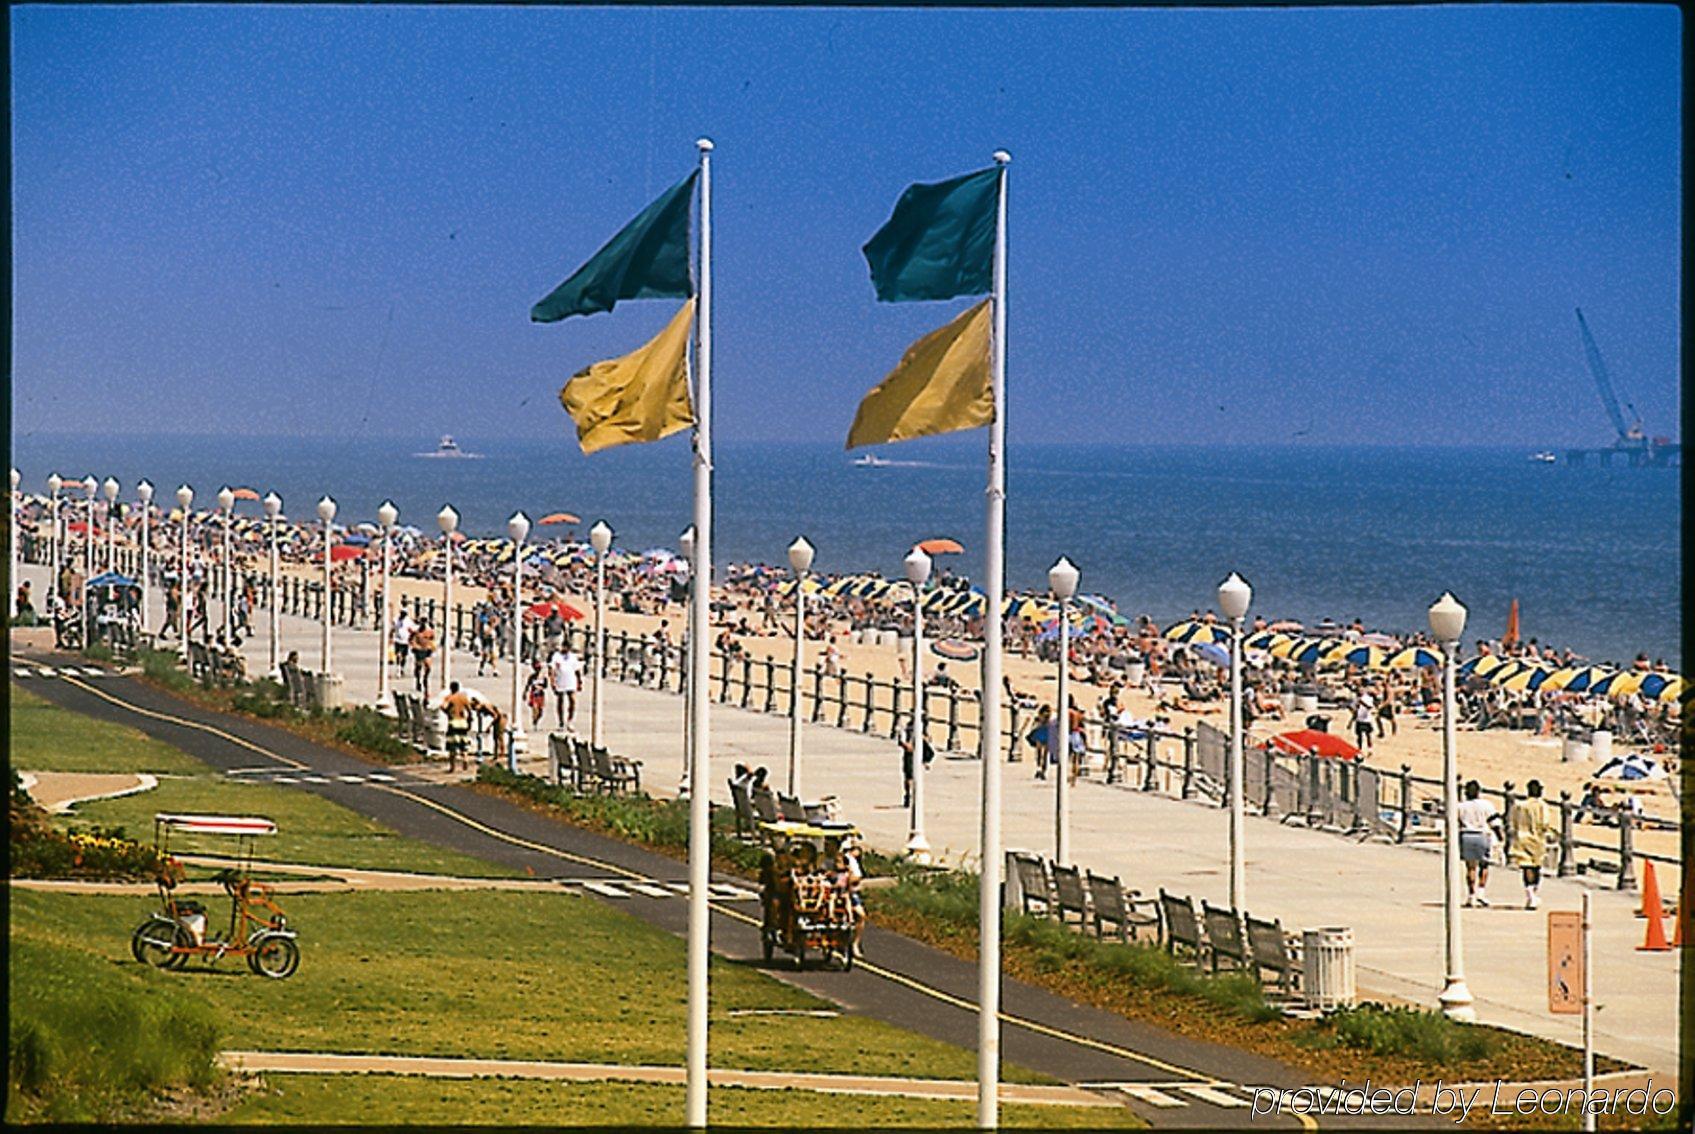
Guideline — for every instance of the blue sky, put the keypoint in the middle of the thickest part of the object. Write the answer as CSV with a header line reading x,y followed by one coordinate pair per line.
x,y
1358,226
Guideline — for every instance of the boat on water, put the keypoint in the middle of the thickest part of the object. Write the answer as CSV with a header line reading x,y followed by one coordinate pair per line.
x,y
1544,457
449,448
871,461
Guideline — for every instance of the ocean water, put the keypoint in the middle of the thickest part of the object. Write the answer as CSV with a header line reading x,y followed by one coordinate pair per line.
x,y
1592,554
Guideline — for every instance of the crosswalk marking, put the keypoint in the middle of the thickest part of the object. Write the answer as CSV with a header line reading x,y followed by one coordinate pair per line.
x,y
285,780
647,890
1215,1097
45,672
1152,1096
681,887
604,889
315,779
23,672
725,890
351,779
380,776
623,889
93,672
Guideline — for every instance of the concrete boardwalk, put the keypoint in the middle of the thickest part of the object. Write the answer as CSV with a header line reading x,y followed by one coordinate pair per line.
x,y
1390,895
949,1090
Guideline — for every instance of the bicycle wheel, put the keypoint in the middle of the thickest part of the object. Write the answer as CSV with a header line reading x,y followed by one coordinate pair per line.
x,y
274,956
153,942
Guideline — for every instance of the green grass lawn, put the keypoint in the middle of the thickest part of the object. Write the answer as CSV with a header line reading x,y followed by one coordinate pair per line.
x,y
45,737
500,976
386,1099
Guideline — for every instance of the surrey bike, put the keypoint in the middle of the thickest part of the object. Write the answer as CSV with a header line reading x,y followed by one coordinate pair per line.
x,y
179,931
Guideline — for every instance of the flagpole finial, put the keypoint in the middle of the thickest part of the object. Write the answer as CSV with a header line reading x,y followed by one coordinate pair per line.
x,y
1002,157
704,145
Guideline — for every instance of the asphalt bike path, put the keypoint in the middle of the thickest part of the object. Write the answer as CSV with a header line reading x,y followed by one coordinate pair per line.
x,y
1170,1080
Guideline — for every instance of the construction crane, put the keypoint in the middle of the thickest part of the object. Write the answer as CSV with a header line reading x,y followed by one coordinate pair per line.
x,y
1629,437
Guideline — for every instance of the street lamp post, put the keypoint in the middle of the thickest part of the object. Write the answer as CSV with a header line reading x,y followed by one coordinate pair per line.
x,y
226,504
273,509
90,487
326,513
600,538
917,565
12,549
387,514
800,558
518,527
185,498
1447,623
693,681
54,483
111,488
144,493
1234,595
448,520
1062,580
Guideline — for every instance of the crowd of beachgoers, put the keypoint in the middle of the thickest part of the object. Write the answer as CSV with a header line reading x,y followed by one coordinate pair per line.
x,y
1373,676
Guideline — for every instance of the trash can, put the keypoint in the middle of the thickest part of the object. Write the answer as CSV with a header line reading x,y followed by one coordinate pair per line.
x,y
328,691
1601,745
1574,749
1287,700
889,639
1327,967
1135,673
1306,699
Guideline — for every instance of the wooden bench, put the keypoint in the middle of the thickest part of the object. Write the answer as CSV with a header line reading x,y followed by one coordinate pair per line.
x,y
1182,927
1127,910
1274,951
1033,888
747,823
1224,937
790,808
1069,894
765,805
615,772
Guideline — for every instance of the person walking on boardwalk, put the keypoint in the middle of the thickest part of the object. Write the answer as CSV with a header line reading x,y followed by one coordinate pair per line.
x,y
1480,828
535,692
1535,827
565,673
1363,706
423,651
1041,738
457,706
906,762
401,638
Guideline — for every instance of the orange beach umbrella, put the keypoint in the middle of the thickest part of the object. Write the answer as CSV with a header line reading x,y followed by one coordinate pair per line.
x,y
941,547
244,494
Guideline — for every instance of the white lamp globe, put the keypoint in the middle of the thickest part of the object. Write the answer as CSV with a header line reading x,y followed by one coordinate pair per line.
x,y
600,537
800,555
518,527
917,565
387,514
144,492
1062,578
185,497
90,486
448,519
112,489
54,483
685,542
1234,595
326,509
1447,619
226,498
273,505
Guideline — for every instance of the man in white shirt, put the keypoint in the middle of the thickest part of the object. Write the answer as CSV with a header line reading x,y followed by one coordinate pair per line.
x,y
402,639
1480,827
565,672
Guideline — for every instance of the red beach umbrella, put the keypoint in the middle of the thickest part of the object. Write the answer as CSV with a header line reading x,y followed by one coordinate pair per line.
x,y
342,552
560,518
244,494
941,547
1314,742
545,609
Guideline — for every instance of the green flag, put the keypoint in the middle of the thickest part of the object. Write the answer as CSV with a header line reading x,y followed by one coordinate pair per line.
x,y
940,241
648,259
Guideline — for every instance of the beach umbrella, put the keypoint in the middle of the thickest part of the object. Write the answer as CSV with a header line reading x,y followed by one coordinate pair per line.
x,y
954,650
1624,681
1287,647
356,539
341,553
1214,653
1414,656
940,547
546,610
244,494
1382,640
1351,654
1672,692
1264,639
560,518
1654,686
1502,673
112,579
1630,768
1102,607
1482,665
1315,742
1287,626
1310,650
1526,680
1198,633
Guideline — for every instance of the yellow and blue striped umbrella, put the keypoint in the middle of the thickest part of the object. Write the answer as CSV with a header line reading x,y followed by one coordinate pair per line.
x,y
1526,680
1264,640
1575,678
1413,656
1482,665
1617,684
1289,646
1654,686
1197,633
1673,691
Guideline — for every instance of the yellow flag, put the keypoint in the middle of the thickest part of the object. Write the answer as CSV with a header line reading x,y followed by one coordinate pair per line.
x,y
941,384
641,397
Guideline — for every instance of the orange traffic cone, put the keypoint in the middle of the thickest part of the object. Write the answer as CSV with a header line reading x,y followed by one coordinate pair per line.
x,y
1655,941
1651,906
1677,925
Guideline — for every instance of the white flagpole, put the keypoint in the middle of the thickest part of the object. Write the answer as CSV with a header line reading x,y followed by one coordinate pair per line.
x,y
989,871
700,640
